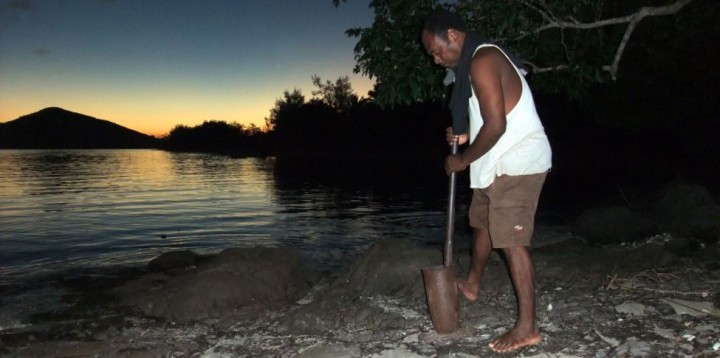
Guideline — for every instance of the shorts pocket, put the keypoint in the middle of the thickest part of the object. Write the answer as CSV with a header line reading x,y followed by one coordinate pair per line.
x,y
511,223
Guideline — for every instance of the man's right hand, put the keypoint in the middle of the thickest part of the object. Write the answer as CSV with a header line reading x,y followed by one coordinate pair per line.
x,y
450,136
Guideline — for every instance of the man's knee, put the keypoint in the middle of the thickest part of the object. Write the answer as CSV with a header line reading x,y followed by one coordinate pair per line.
x,y
482,235
511,251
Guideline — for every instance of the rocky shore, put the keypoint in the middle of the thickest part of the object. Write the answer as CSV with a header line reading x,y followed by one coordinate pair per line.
x,y
656,297
634,280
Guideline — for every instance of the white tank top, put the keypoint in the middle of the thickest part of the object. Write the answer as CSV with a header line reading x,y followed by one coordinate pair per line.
x,y
523,149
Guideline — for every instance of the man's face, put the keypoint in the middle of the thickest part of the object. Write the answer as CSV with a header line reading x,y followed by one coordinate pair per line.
x,y
444,53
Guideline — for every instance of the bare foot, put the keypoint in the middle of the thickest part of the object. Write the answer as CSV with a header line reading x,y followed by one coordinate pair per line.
x,y
514,340
470,293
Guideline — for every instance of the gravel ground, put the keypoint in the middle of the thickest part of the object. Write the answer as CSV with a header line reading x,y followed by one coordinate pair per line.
x,y
653,298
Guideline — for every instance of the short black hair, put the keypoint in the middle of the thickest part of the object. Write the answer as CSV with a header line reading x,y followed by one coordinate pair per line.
x,y
439,21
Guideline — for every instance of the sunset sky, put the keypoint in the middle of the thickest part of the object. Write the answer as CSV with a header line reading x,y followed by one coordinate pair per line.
x,y
150,65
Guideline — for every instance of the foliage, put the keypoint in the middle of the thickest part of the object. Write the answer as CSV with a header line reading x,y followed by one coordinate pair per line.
x,y
390,52
299,126
569,44
336,124
284,107
216,137
338,95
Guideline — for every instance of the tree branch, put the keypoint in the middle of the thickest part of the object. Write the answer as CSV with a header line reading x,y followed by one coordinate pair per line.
x,y
632,20
538,69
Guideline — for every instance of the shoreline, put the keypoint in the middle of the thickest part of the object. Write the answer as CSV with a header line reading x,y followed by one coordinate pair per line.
x,y
592,301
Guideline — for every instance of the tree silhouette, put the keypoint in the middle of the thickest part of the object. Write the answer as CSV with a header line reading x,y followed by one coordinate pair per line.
x,y
217,137
285,108
569,44
338,95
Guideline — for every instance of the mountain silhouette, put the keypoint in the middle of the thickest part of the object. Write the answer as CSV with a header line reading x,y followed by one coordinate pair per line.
x,y
56,128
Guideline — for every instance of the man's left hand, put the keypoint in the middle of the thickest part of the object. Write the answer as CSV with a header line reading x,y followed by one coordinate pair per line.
x,y
454,163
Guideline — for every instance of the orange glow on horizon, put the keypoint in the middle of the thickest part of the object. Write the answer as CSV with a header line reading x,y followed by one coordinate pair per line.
x,y
158,115
150,122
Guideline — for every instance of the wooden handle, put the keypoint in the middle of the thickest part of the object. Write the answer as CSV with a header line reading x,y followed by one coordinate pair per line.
x,y
450,226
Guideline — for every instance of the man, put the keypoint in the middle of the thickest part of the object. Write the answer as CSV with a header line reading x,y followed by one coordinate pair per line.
x,y
509,157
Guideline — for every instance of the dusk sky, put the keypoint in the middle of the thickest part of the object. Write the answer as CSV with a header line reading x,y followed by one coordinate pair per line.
x,y
152,64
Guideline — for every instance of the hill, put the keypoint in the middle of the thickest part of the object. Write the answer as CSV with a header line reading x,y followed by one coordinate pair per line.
x,y
56,128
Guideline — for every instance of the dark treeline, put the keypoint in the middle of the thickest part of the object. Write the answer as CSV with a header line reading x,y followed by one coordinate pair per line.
x,y
360,144
590,148
314,129
216,136
334,125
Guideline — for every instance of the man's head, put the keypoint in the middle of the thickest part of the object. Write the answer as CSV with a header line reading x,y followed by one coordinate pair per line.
x,y
443,36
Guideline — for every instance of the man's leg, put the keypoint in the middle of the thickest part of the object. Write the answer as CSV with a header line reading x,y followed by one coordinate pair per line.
x,y
522,273
481,248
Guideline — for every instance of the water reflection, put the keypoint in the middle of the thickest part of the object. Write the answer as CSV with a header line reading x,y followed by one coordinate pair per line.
x,y
90,208
60,171
341,208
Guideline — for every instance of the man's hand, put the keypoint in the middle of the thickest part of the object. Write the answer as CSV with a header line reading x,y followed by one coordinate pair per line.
x,y
450,136
454,163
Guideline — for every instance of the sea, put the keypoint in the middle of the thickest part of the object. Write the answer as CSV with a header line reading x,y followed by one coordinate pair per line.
x,y
74,211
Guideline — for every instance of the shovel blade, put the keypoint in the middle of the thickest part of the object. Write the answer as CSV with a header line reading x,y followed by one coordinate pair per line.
x,y
442,298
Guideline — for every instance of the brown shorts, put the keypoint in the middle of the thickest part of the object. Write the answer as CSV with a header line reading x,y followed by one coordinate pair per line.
x,y
507,209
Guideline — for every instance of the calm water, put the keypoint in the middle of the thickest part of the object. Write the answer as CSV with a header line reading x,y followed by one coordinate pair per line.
x,y
80,210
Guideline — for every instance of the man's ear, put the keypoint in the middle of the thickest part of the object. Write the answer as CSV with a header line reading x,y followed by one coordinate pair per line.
x,y
452,35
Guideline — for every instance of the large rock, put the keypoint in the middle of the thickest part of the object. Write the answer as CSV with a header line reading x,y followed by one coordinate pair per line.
x,y
373,293
701,223
174,261
677,199
616,224
390,267
689,210
218,286
677,208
